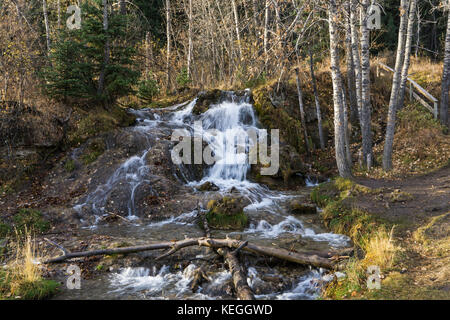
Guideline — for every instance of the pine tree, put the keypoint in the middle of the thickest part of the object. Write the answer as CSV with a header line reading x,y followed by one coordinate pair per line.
x,y
77,60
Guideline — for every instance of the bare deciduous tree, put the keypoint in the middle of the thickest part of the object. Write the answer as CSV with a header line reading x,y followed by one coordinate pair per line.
x,y
339,130
392,113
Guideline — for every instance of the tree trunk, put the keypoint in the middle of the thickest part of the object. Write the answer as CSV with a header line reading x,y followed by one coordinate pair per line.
x,y
392,113
101,80
148,54
236,24
59,13
366,127
356,56
319,260
407,57
168,45
189,55
47,26
316,99
255,17
446,78
123,7
339,130
266,33
348,153
350,69
302,111
239,276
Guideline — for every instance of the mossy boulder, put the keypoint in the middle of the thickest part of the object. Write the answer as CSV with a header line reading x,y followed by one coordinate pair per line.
x,y
227,213
94,149
205,100
87,124
297,207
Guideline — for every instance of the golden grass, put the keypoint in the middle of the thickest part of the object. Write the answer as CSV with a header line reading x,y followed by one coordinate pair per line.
x,y
22,278
25,267
380,249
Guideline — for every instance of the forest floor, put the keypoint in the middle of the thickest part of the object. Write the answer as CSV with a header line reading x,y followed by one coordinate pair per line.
x,y
419,208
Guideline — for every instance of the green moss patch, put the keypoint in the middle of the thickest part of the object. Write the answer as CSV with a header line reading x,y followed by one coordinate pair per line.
x,y
226,214
26,290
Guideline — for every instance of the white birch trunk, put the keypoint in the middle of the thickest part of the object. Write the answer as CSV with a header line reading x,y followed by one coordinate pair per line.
x,y
445,77
392,113
366,127
339,130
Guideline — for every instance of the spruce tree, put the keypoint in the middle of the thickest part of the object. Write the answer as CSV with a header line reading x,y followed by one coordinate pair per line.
x,y
77,58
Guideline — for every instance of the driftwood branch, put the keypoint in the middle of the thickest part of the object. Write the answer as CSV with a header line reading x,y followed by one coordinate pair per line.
x,y
64,251
283,254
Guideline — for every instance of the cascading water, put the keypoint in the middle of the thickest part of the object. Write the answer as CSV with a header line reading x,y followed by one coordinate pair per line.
x,y
231,119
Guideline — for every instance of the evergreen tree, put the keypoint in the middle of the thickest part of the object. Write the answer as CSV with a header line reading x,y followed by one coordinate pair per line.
x,y
77,60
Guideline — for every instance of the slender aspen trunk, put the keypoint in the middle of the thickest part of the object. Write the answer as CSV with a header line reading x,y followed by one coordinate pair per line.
x,y
316,100
445,78
189,55
168,53
266,32
356,56
58,6
236,24
392,113
419,22
348,153
366,127
101,80
339,130
407,57
148,54
255,17
302,111
350,69
47,26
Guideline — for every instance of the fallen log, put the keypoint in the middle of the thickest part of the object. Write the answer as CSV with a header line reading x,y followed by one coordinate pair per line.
x,y
238,274
173,246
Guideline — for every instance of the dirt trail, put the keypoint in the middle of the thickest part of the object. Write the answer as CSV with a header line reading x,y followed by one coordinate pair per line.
x,y
420,208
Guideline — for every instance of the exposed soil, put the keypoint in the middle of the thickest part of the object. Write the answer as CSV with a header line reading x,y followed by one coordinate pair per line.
x,y
419,206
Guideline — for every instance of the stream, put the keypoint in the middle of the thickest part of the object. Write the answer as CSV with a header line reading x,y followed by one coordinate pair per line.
x,y
271,222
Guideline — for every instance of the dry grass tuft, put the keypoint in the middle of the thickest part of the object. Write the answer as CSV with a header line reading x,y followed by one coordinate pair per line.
x,y
22,279
380,249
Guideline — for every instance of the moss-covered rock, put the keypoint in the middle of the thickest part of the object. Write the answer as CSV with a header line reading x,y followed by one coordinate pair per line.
x,y
94,149
297,207
87,124
227,213
205,100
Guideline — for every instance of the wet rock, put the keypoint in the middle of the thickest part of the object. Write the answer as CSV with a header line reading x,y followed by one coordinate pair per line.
x,y
297,207
208,186
290,162
227,213
205,100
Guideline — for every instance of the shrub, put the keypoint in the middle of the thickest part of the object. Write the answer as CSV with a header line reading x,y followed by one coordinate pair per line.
x,y
30,219
183,78
148,89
